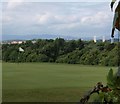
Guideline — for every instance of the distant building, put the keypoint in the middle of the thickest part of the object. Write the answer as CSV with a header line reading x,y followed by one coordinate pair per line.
x,y
94,39
14,42
103,40
34,41
17,42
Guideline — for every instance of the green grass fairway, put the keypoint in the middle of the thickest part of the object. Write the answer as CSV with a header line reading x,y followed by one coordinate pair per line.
x,y
49,82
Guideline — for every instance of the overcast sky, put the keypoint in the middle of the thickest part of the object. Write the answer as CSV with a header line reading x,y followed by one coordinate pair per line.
x,y
78,19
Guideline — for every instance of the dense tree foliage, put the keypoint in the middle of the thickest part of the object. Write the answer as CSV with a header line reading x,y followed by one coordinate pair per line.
x,y
63,51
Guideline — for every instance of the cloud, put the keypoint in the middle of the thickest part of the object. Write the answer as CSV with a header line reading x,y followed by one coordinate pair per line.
x,y
51,18
62,18
12,4
97,19
62,1
6,19
45,18
71,21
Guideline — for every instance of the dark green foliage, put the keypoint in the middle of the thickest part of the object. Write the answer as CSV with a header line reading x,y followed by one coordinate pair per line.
x,y
111,96
62,51
70,58
110,79
113,82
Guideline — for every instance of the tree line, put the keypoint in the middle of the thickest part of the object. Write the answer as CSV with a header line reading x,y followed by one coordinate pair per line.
x,y
63,51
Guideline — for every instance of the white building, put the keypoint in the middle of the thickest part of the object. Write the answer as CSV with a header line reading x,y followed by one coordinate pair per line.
x,y
95,39
17,42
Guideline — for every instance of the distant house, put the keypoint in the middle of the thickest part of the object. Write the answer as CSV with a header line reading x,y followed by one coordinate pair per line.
x,y
14,42
17,42
34,41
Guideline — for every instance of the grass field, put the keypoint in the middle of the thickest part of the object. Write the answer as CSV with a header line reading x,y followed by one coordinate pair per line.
x,y
48,82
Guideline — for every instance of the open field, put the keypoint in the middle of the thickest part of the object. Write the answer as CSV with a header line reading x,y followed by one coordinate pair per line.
x,y
49,82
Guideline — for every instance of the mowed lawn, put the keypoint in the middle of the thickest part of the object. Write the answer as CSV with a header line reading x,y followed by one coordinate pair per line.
x,y
49,82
